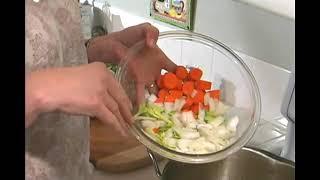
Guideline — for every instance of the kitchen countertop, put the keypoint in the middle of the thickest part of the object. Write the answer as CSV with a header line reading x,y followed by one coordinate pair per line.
x,y
139,174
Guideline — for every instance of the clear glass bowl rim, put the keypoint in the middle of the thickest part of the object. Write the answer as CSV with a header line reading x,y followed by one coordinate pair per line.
x,y
219,155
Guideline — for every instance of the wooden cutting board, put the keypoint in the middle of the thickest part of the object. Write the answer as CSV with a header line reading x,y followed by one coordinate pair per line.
x,y
112,153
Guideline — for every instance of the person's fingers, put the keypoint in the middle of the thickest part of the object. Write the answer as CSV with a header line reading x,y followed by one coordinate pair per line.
x,y
168,64
119,50
123,123
152,35
112,105
152,88
119,95
134,34
107,117
140,92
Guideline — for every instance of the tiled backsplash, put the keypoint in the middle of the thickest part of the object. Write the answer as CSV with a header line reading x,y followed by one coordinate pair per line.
x,y
272,80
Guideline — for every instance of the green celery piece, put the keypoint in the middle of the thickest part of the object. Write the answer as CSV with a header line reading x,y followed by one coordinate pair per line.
x,y
150,110
209,116
210,113
142,109
159,115
171,113
176,134
165,128
208,119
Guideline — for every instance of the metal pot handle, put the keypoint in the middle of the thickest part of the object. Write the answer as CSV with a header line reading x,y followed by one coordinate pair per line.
x,y
155,163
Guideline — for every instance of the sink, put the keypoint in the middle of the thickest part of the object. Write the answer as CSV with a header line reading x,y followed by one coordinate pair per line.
x,y
246,164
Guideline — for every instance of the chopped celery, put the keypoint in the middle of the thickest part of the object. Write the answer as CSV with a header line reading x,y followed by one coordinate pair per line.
x,y
176,134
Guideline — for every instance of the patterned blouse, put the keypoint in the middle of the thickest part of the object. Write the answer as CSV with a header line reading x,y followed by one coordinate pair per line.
x,y
57,144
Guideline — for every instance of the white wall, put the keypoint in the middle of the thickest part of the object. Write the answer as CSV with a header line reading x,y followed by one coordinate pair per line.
x,y
245,28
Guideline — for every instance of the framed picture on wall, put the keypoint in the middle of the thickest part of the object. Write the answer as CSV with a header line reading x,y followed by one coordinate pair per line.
x,y
175,12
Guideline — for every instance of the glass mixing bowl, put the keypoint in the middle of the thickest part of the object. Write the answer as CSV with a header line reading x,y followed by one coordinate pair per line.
x,y
220,65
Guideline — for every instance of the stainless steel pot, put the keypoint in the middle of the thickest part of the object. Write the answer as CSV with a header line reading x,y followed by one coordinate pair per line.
x,y
246,164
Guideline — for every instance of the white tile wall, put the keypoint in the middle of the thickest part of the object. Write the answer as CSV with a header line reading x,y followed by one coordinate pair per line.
x,y
173,49
271,80
196,55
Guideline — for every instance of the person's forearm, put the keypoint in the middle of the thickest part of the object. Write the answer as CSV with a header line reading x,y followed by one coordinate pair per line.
x,y
32,104
35,101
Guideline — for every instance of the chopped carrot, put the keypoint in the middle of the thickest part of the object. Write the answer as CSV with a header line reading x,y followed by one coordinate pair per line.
x,y
189,102
170,81
199,97
195,108
160,81
160,100
203,85
163,93
206,107
156,130
185,109
195,74
176,93
181,72
188,87
201,105
215,94
179,84
169,98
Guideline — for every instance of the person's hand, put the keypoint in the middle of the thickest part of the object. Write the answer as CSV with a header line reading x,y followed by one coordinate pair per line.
x,y
148,63
145,65
87,90
114,46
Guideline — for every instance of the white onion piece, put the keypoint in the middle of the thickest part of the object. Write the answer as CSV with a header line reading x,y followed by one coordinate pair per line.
x,y
152,98
176,120
187,133
205,131
201,115
232,124
187,117
149,124
146,94
178,104
171,142
217,121
221,108
183,144
222,132
192,125
168,106
159,105
212,105
206,99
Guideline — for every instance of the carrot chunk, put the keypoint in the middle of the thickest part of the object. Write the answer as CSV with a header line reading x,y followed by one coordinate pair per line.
x,y
163,93
181,72
203,85
188,87
170,81
195,74
215,94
